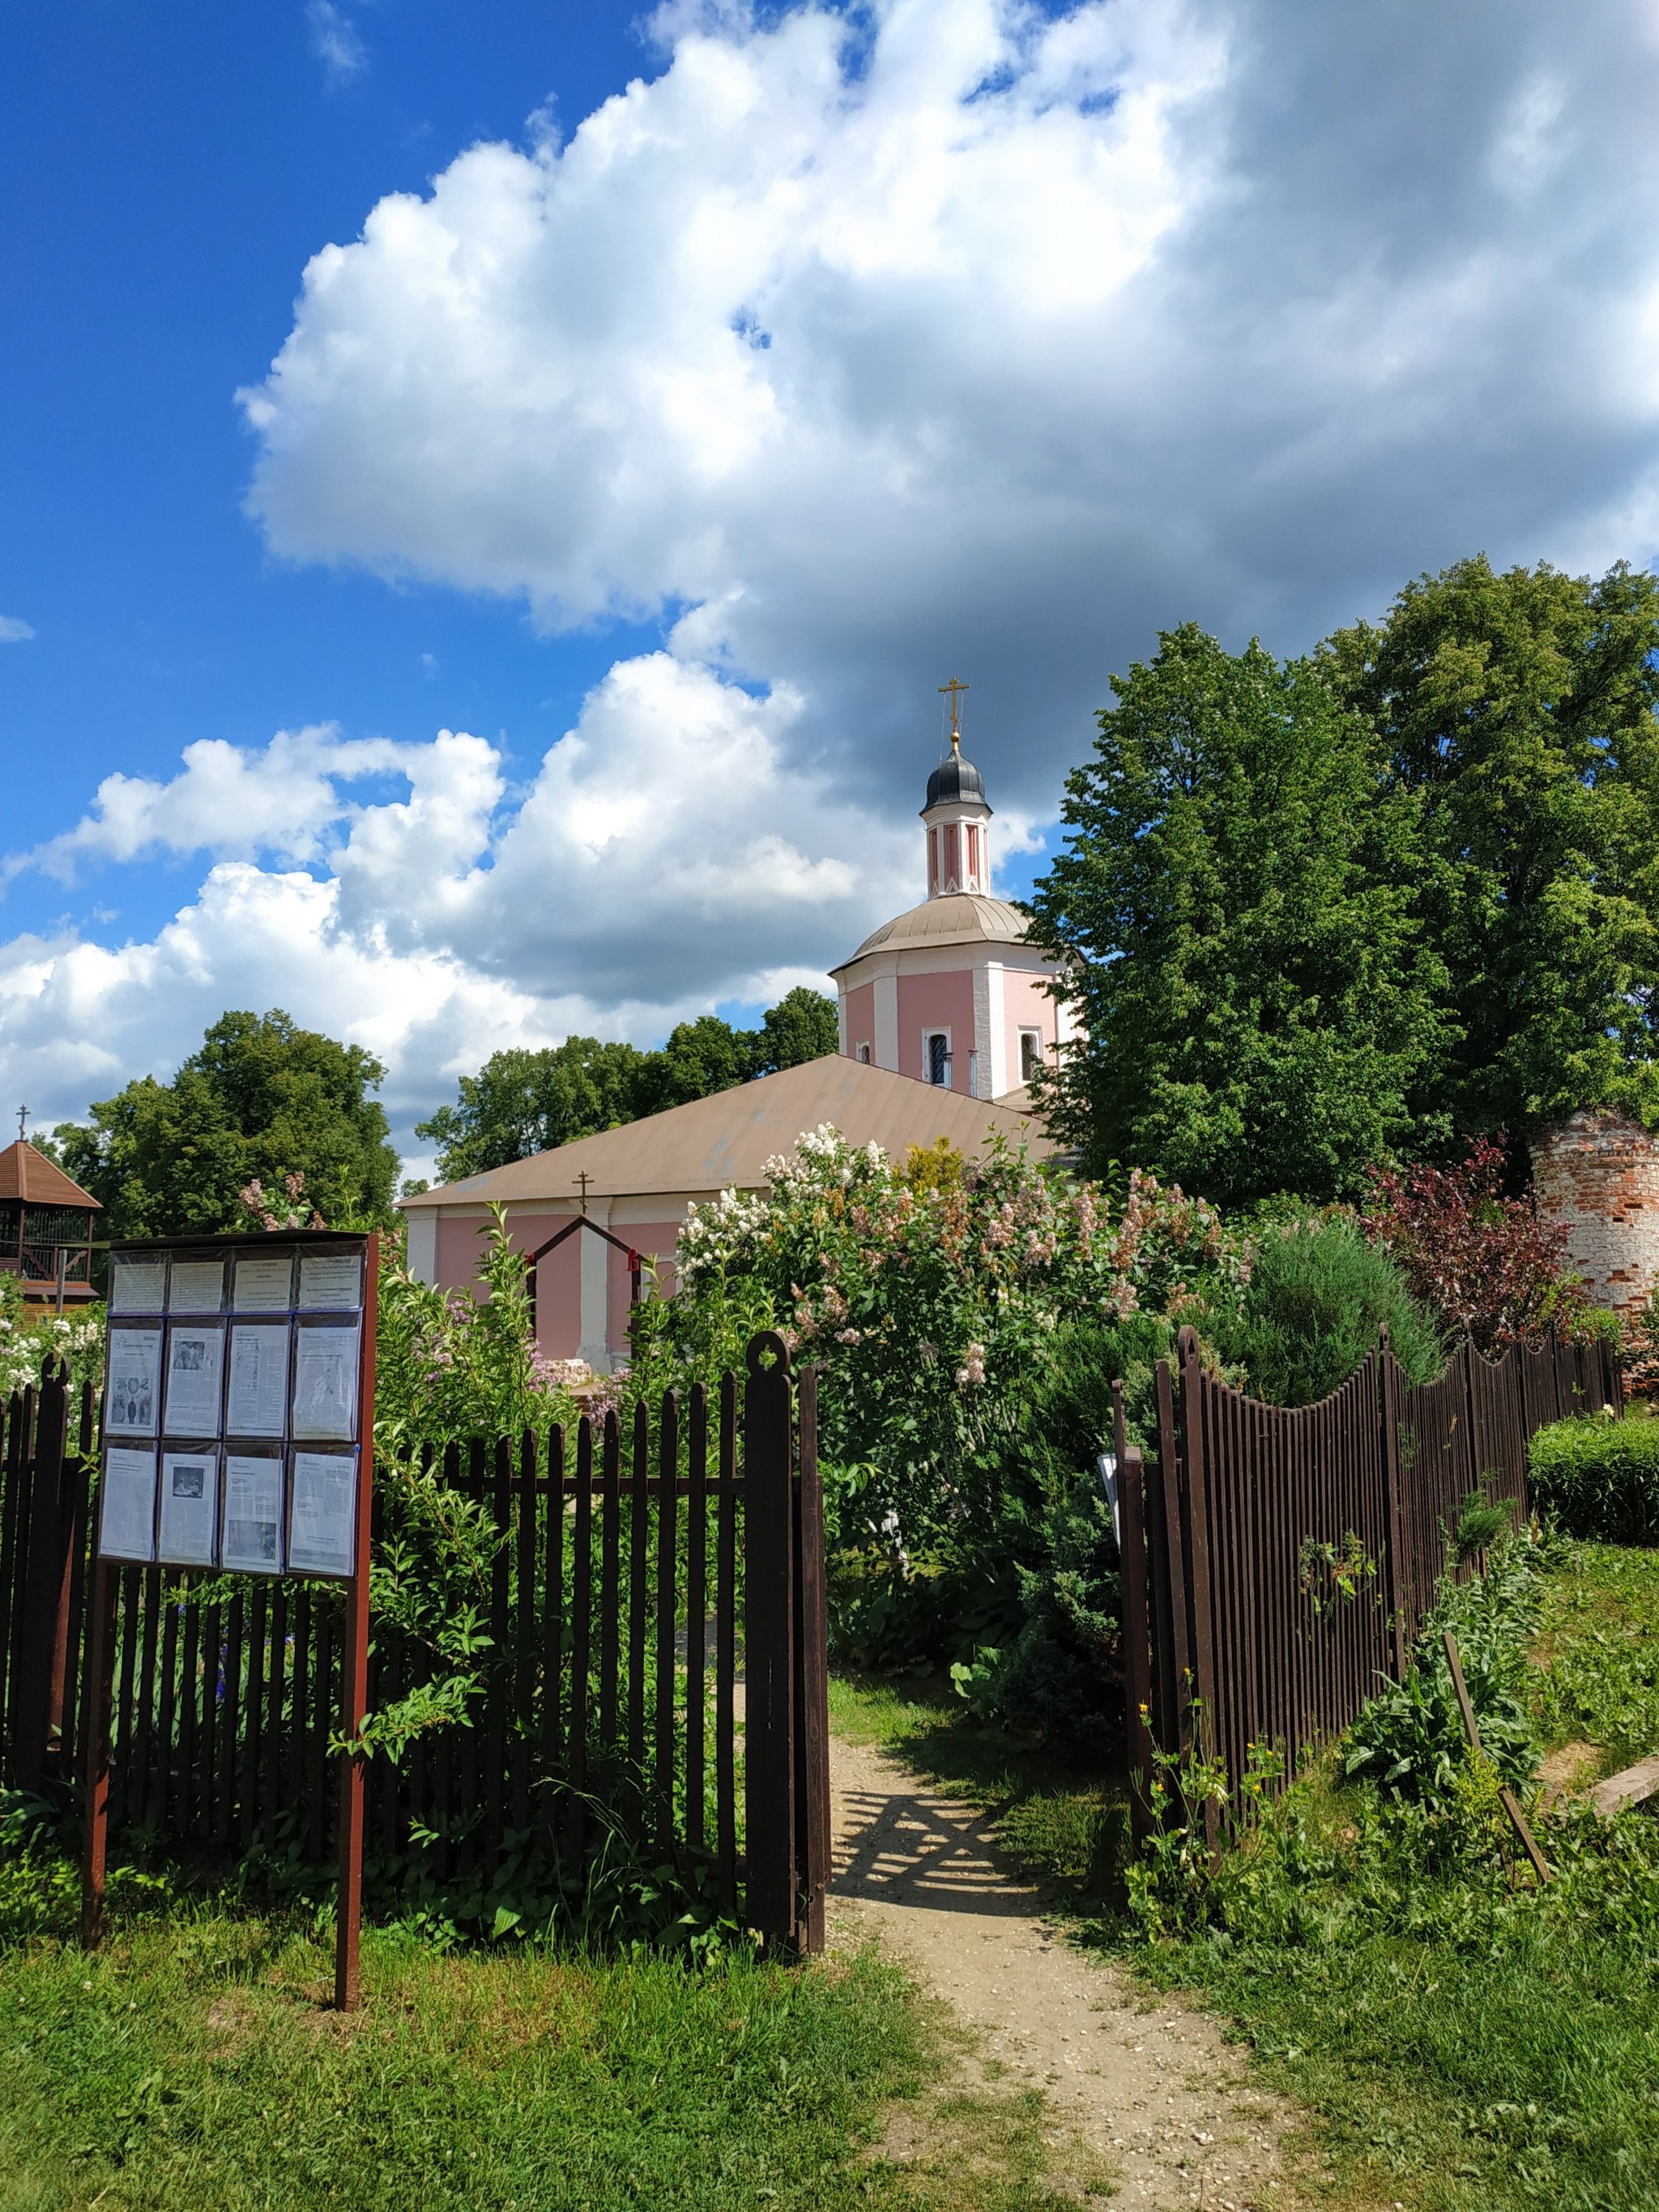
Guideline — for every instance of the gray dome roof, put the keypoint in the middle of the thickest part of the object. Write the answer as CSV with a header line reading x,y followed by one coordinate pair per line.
x,y
954,778
958,918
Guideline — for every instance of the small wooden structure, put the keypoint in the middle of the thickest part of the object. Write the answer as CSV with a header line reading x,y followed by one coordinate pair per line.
x,y
47,1227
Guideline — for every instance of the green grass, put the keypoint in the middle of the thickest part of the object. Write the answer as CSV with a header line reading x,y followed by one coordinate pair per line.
x,y
1599,1646
194,2065
1062,1828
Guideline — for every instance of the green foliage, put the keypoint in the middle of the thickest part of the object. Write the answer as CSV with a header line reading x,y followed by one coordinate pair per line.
x,y
1519,711
521,1101
1409,1739
1597,1476
1317,1295
1233,907
262,1100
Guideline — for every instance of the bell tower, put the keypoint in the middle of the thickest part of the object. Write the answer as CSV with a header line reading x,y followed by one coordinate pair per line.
x,y
956,817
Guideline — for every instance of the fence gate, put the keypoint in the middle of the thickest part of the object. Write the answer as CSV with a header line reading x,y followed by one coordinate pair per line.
x,y
657,1673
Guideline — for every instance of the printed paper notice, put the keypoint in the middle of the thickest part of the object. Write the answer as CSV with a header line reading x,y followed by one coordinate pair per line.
x,y
135,1381
197,1286
127,1523
322,1519
195,1358
330,1282
264,1282
326,1383
189,1507
137,1286
253,1516
258,1380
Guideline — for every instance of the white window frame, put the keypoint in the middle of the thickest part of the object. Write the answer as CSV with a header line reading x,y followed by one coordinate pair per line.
x,y
861,1053
1039,1056
927,1036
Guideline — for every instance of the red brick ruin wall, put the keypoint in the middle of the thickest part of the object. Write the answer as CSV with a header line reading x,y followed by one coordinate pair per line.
x,y
1599,1174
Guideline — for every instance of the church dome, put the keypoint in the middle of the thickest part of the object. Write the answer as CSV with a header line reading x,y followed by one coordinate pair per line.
x,y
954,779
958,918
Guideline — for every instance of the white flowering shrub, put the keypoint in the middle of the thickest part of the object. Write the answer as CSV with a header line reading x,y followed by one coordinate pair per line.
x,y
926,1290
27,1338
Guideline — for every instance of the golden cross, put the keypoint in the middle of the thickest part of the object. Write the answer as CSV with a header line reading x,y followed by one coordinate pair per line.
x,y
955,687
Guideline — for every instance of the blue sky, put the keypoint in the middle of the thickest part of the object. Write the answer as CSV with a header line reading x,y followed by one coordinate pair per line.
x,y
491,491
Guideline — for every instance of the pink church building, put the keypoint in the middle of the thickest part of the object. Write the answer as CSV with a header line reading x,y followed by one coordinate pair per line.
x,y
952,993
943,1019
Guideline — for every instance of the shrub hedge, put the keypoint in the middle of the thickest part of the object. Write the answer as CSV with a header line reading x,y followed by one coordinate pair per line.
x,y
1598,1477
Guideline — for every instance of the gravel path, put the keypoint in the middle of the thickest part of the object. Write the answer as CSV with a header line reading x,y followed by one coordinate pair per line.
x,y
1138,2082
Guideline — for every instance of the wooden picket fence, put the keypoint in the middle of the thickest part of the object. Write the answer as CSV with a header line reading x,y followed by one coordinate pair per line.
x,y
655,1685
1278,1561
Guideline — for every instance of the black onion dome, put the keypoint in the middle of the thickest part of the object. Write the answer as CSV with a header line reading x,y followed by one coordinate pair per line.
x,y
954,778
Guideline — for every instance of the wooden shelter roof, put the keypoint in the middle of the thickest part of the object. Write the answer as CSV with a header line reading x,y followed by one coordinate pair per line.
x,y
30,1175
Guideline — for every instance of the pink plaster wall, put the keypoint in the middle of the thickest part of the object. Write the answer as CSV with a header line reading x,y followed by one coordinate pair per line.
x,y
936,1002
558,1279
1026,1005
652,1240
861,1020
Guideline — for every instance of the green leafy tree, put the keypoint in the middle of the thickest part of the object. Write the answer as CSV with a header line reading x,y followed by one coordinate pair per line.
x,y
1233,917
1519,709
802,1026
521,1101
263,1099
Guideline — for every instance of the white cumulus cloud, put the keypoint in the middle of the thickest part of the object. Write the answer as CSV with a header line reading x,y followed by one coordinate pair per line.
x,y
965,331
670,850
13,631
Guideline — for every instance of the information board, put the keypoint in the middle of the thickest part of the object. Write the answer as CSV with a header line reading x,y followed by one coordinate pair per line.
x,y
233,1405
239,1420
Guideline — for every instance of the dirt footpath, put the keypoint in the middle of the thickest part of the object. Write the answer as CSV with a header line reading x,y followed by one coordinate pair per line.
x,y
1142,2086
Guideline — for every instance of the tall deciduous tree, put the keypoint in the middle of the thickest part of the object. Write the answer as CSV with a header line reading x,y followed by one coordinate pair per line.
x,y
1233,915
1520,709
263,1098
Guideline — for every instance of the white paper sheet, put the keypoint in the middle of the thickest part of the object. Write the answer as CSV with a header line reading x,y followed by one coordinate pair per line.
x,y
330,1282
263,1282
137,1286
197,1286
326,1383
190,1509
322,1517
258,1401
253,1539
195,1363
133,1395
126,1519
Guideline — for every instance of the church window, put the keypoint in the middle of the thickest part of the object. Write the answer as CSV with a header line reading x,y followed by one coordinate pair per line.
x,y
936,1047
864,1053
1030,1053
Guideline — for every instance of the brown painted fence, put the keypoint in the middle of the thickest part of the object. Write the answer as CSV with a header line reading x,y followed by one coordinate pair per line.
x,y
656,1680
1287,1557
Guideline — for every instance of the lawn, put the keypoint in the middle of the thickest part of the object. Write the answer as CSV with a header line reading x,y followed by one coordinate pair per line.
x,y
193,2066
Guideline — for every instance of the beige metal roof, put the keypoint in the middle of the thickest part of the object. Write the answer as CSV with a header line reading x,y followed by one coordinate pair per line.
x,y
959,918
728,1138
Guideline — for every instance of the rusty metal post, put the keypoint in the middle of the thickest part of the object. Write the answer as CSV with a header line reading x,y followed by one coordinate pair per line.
x,y
354,1662
101,1674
